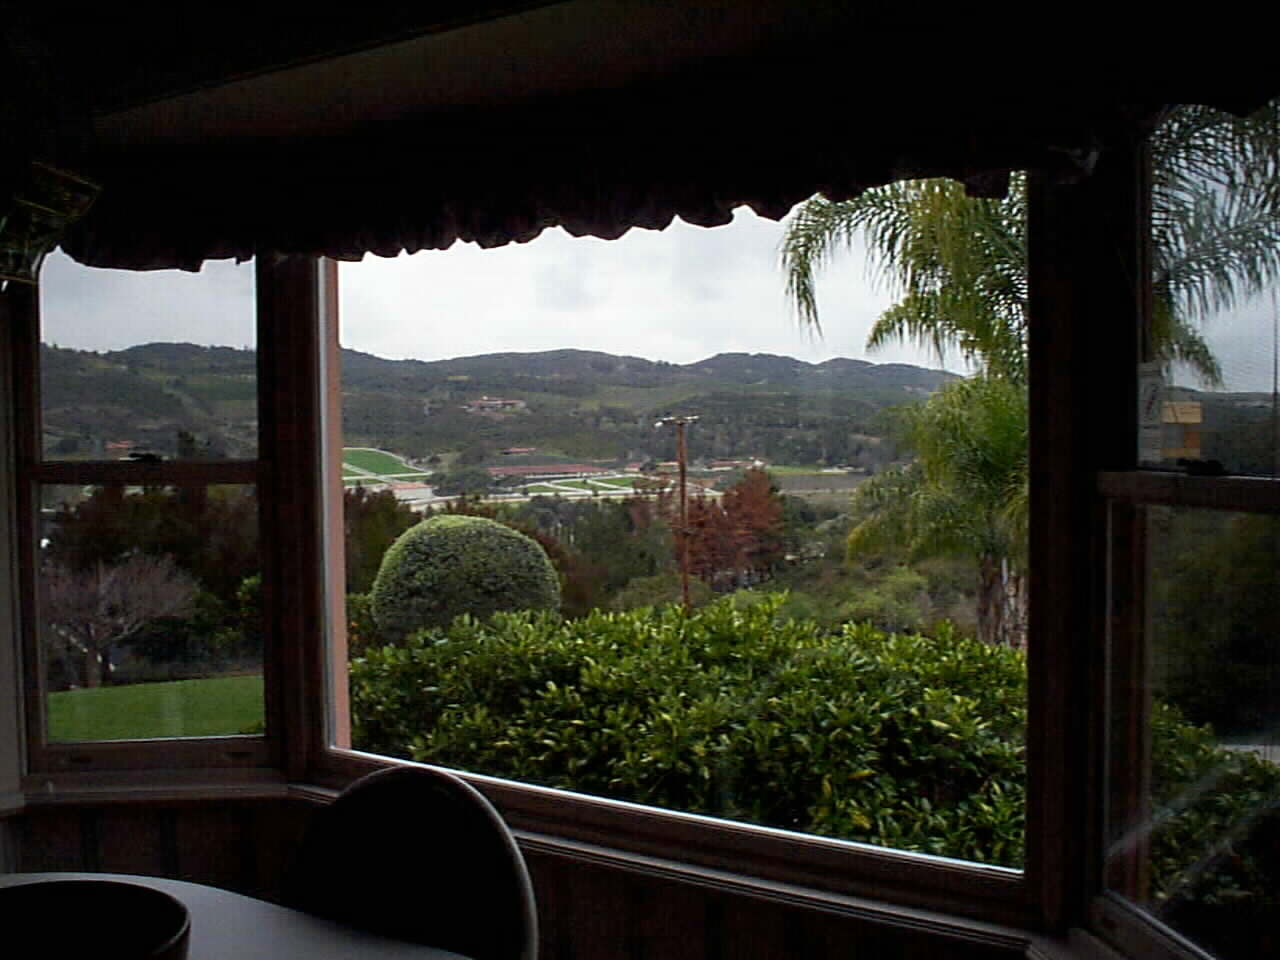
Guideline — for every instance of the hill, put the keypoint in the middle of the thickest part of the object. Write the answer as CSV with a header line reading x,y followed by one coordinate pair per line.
x,y
565,403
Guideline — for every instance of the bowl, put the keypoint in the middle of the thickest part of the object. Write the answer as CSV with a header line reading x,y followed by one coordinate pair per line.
x,y
98,919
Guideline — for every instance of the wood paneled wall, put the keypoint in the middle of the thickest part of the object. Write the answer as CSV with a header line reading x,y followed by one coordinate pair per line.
x,y
586,911
238,845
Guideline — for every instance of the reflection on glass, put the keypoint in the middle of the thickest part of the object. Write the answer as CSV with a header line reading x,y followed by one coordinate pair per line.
x,y
149,611
1205,856
1209,402
126,370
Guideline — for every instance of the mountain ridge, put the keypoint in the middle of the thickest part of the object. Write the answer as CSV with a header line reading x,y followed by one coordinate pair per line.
x,y
578,403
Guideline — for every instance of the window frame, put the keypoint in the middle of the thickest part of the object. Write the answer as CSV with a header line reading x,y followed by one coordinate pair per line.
x,y
1122,922
1088,255
1085,254
1124,492
284,306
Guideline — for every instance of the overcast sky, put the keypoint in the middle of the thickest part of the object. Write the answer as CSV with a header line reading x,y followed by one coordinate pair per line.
x,y
682,294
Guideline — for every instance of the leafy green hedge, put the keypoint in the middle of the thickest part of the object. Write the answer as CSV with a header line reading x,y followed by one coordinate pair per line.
x,y
451,565
905,741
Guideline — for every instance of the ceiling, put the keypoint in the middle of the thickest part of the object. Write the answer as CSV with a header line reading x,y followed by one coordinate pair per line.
x,y
389,128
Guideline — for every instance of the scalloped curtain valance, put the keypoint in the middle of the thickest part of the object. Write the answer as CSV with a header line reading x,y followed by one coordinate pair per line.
x,y
595,166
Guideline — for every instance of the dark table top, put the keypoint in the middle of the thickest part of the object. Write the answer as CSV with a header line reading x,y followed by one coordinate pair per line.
x,y
229,926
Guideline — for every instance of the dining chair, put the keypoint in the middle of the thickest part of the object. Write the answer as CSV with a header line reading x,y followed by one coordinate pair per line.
x,y
418,854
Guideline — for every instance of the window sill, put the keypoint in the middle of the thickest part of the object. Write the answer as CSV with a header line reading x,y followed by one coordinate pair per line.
x,y
696,845
871,911
139,787
1079,945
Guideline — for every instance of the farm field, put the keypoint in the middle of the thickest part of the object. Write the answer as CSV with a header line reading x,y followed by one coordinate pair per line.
x,y
783,470
179,708
374,461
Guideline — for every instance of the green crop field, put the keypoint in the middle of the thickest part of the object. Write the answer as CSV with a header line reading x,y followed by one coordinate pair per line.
x,y
785,471
178,708
374,461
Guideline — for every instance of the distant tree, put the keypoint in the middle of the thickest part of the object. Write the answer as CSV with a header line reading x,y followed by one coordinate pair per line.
x,y
755,512
732,540
465,481
88,612
211,533
965,495
372,522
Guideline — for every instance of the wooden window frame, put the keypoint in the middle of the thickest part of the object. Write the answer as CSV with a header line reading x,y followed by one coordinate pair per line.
x,y
288,290
1122,751
1120,921
1086,252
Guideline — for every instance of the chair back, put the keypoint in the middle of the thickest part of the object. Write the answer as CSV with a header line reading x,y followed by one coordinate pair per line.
x,y
418,854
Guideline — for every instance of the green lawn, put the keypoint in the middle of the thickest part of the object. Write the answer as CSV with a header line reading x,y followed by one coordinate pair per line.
x,y
178,708
374,461
624,482
783,470
540,488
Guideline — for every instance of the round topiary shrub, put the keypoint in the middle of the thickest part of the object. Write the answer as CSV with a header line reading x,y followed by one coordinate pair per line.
x,y
450,565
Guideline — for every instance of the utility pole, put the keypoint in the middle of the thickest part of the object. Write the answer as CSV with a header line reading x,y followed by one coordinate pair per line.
x,y
682,461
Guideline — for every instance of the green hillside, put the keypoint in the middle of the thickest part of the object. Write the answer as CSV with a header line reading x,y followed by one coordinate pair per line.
x,y
172,399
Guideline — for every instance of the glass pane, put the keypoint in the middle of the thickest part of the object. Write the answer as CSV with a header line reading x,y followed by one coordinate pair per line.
x,y
1199,846
877,696
1208,401
148,364
150,616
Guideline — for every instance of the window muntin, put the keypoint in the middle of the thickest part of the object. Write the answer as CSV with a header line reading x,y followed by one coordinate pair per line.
x,y
431,418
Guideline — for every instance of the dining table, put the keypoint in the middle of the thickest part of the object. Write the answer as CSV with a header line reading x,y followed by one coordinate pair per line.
x,y
231,926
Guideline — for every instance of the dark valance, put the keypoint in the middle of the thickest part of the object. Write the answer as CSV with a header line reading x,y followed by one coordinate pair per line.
x,y
594,165
409,129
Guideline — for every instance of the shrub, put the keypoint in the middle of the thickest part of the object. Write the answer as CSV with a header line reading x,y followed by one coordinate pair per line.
x,y
906,741
450,565
738,711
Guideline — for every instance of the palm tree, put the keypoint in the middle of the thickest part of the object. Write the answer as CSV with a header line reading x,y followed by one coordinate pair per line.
x,y
964,495
959,267
959,264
